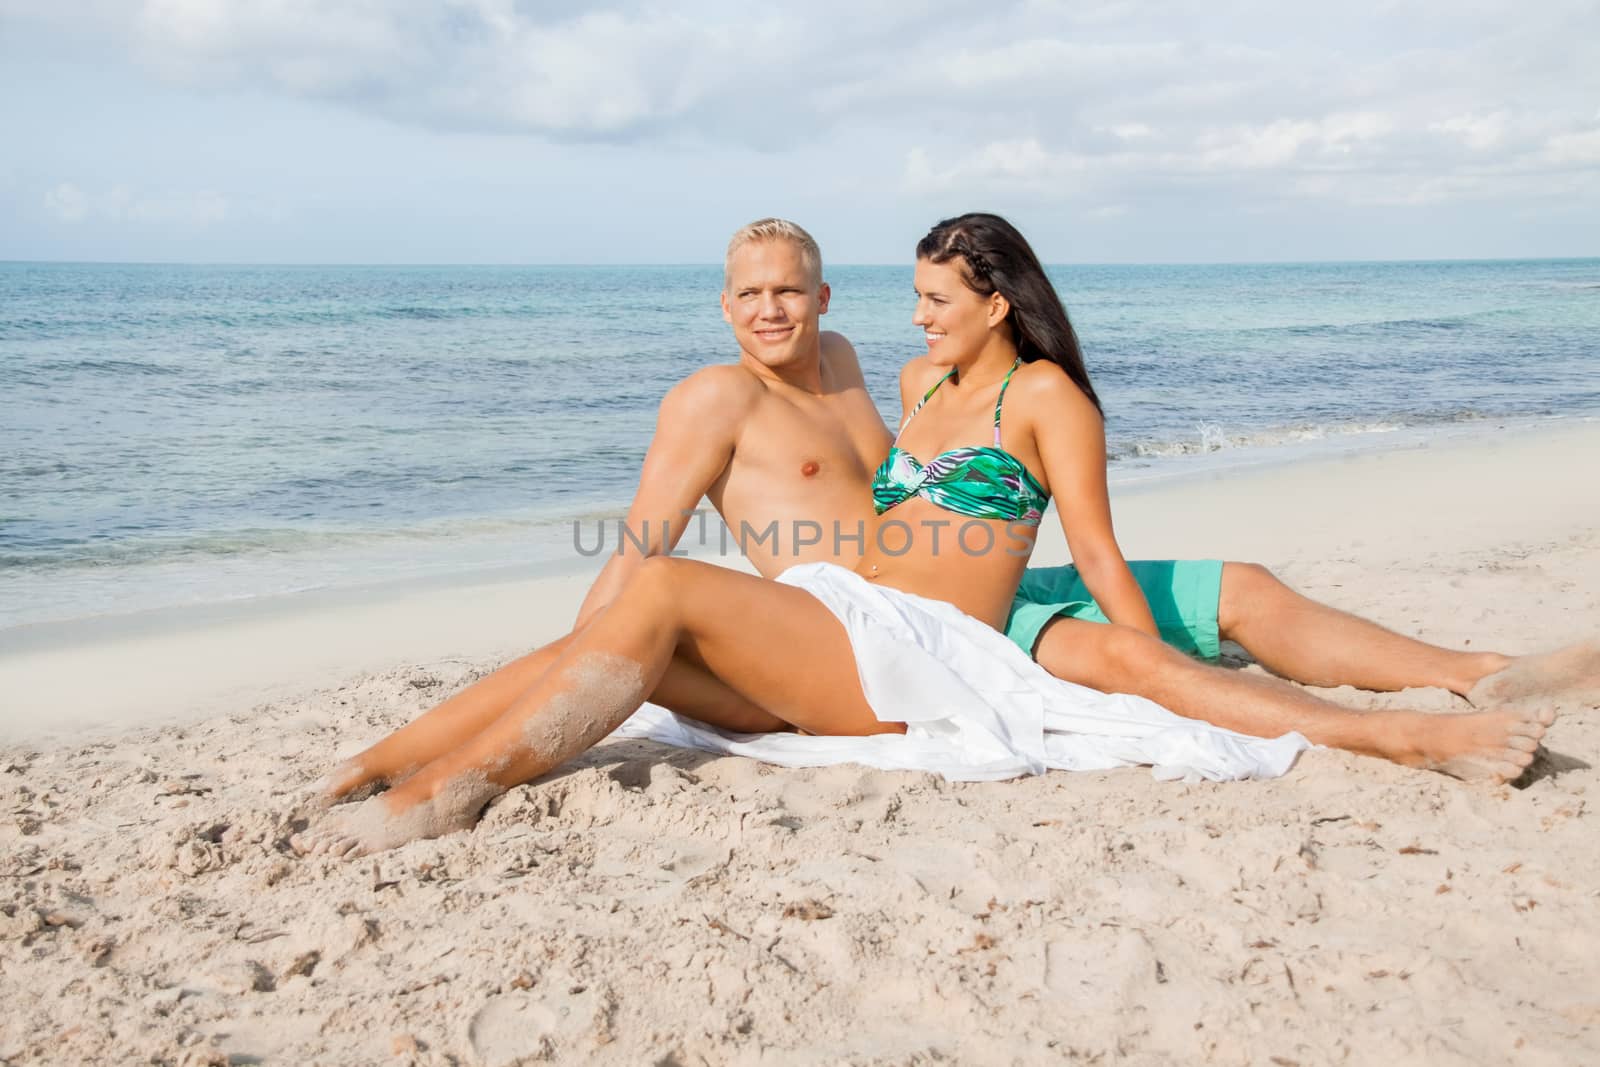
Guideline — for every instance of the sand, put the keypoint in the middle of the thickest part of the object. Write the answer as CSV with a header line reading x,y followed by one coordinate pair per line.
x,y
647,905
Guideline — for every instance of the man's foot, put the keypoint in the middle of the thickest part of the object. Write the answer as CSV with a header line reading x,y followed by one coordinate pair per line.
x,y
1483,746
350,780
389,821
1569,675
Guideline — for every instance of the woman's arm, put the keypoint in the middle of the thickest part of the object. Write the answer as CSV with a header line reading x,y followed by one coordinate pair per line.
x,y
1070,436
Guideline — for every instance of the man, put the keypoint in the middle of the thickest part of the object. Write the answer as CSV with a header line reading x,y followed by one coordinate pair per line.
x,y
787,437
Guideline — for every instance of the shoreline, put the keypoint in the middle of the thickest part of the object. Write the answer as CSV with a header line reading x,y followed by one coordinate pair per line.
x,y
175,664
1157,471
493,566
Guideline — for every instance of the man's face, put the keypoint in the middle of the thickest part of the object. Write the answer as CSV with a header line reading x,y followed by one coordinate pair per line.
x,y
773,303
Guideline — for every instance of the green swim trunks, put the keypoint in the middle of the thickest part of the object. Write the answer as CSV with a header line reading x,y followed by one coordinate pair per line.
x,y
1183,595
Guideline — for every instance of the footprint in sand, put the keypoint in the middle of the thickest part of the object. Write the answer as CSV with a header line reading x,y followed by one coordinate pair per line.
x,y
516,1028
692,862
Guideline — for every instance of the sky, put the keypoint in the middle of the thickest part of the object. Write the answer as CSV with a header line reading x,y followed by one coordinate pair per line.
x,y
531,131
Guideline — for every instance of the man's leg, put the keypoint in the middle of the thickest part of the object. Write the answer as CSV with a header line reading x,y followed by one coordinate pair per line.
x,y
1300,639
1493,745
686,687
773,641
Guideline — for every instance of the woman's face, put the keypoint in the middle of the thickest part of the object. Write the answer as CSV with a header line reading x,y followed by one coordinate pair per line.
x,y
956,321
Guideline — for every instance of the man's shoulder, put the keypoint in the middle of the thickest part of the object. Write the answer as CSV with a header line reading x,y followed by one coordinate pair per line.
x,y
723,383
712,397
840,359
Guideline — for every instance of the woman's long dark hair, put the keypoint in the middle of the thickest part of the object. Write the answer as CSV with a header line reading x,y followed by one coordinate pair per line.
x,y
997,259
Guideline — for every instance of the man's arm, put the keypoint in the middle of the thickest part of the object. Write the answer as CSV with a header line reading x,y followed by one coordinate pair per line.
x,y
697,427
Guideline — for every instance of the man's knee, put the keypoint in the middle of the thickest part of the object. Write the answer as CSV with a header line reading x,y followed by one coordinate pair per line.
x,y
1100,655
541,658
1249,576
1133,652
1248,589
657,580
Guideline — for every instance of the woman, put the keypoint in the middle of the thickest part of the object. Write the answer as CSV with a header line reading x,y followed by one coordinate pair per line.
x,y
903,649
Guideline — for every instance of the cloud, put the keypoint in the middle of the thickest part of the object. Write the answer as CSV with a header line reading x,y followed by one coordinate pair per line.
x,y
479,65
1479,132
1581,148
1284,145
1284,142
68,203
1014,164
1064,99
1364,158
1128,131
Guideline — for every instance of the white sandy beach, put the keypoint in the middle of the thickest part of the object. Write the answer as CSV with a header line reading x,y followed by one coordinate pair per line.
x,y
649,905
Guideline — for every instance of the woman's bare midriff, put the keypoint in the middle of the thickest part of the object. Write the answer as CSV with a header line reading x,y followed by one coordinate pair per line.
x,y
975,564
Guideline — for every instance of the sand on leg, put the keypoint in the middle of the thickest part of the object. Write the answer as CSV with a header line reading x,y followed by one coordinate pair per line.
x,y
776,645
1494,745
451,723
686,687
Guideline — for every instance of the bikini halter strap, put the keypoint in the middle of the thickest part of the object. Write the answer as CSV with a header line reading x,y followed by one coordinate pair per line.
x,y
921,402
1001,399
935,388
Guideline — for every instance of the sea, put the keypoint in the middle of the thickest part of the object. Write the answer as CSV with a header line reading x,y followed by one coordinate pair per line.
x,y
175,435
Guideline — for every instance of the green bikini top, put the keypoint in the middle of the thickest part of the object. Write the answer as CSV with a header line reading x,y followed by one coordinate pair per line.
x,y
986,482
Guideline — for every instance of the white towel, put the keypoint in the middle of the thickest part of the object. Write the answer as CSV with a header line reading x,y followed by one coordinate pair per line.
x,y
976,707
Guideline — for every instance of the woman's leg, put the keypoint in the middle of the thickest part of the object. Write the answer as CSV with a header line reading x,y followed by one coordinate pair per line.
x,y
1491,745
776,645
686,687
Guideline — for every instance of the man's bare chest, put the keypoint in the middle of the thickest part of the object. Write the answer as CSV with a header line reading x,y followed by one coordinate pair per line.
x,y
829,447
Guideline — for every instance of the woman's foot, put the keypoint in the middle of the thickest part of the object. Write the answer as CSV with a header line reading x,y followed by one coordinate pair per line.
x,y
1567,675
1483,746
395,818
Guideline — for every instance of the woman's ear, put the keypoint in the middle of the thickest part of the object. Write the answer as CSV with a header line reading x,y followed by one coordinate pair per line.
x,y
999,308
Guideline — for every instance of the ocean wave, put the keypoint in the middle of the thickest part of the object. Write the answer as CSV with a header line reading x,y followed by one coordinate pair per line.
x,y
24,327
109,367
1460,322
1381,327
255,319
1212,437
106,553
421,313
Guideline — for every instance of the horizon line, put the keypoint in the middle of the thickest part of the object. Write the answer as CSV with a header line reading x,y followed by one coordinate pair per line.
x,y
718,266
